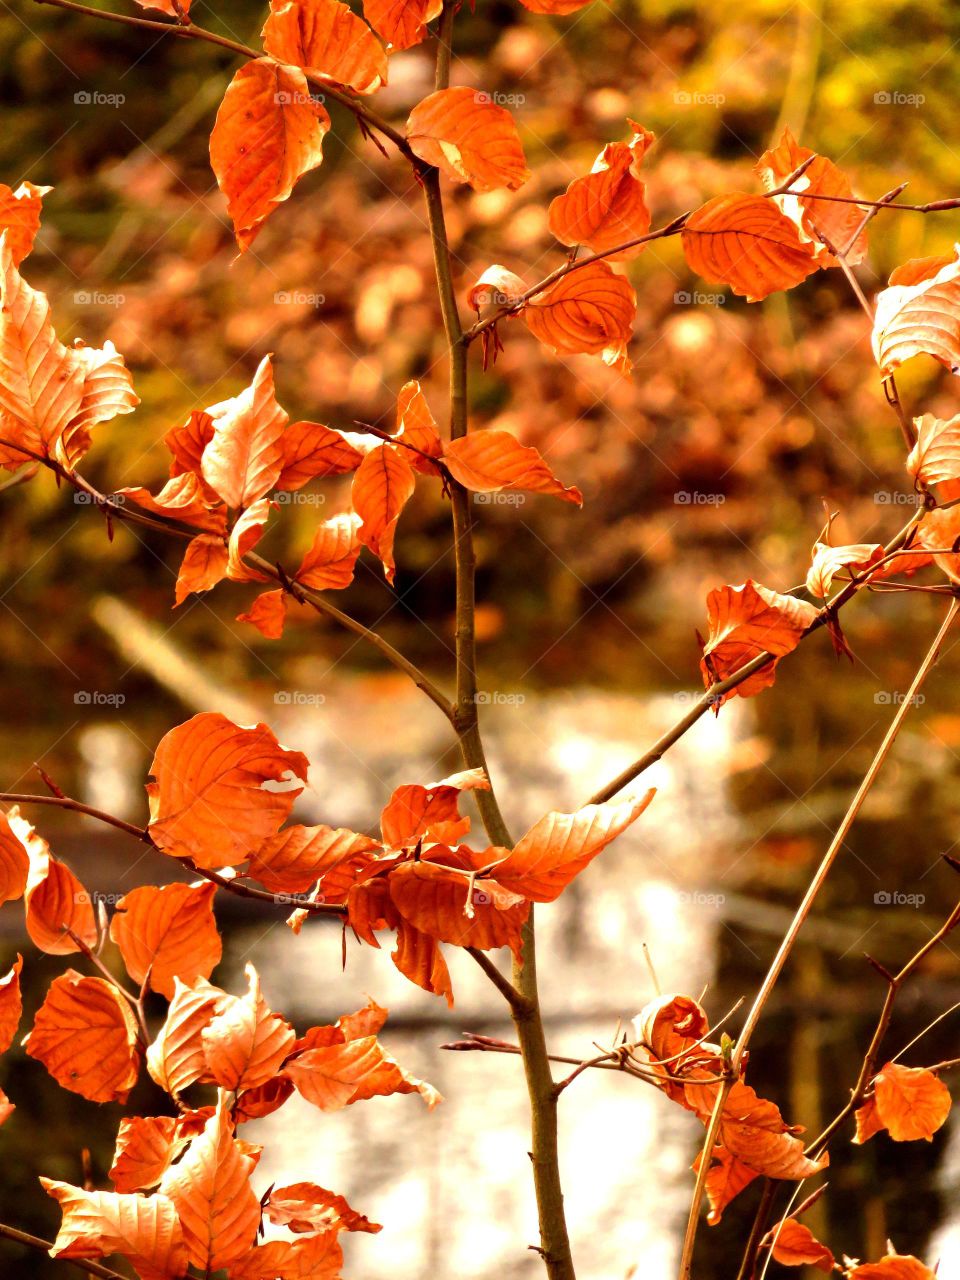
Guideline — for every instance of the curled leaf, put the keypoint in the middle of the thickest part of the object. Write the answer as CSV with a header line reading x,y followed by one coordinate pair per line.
x,y
490,461
920,319
589,310
469,138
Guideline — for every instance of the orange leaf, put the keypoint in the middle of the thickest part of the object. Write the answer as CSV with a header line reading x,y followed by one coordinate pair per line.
x,y
671,1029
54,897
262,1101
828,561
207,801
726,1178
98,1223
417,426
244,458
747,243
607,207
432,811
560,845
935,458
469,138
244,536
496,287
268,614
896,1266
939,533
168,931
329,564
204,564
14,861
11,1005
184,498
589,310
753,1129
20,217
333,1076
745,622
146,1145
85,1034
795,1245
106,391
382,487
402,23
310,450
316,1257
916,269
419,958
210,1188
838,221
7,1108
919,319
267,135
245,1042
325,37
188,442
305,1207
175,1057
911,1102
439,902
489,461
292,860
868,1122
561,8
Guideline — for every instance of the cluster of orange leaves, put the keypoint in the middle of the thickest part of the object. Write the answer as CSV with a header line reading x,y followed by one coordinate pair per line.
x,y
755,1141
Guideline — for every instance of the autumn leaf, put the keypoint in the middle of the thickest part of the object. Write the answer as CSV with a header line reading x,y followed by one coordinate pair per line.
x,y
253,1104
916,269
187,443
745,622
204,564
98,1223
727,1176
589,310
267,135
327,38
183,498
560,845
244,457
175,1058
747,243
606,208
497,286
896,1266
11,1005
828,561
669,1030
268,613
795,1245
419,958
330,563
919,319
491,460
417,427
316,1257
935,458
105,392
245,1042
333,1076
207,800
305,1207
430,811
169,932
85,1034
54,899
146,1146
14,860
840,222
442,902
401,23
210,1189
311,450
292,860
246,533
20,217
468,137
909,1102
560,8
382,487
753,1129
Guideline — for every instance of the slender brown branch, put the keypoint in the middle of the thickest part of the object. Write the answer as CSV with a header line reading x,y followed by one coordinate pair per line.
x,y
83,1264
503,984
190,31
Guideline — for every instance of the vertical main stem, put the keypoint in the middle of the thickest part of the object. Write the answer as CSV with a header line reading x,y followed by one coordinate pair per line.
x,y
554,1242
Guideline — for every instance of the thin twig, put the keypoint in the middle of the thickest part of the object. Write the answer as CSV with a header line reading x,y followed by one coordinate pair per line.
x,y
83,1264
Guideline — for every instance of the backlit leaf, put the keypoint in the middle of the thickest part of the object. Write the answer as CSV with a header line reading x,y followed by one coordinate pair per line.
x,y
469,138
169,931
